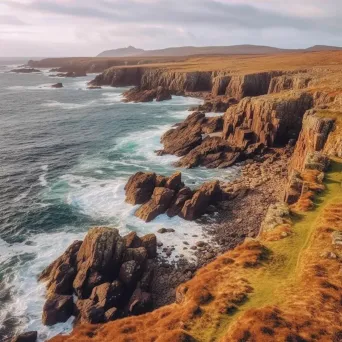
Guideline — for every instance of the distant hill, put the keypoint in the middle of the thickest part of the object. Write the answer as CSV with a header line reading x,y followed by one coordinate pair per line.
x,y
122,52
323,48
209,50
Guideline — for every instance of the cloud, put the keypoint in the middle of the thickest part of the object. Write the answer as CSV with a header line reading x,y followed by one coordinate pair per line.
x,y
105,24
10,20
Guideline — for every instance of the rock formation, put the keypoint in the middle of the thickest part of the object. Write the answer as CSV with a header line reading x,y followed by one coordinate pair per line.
x,y
140,95
57,85
174,198
106,272
271,120
25,70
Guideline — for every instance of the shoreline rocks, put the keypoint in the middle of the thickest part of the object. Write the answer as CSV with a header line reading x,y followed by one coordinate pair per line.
x,y
25,71
57,85
103,271
173,198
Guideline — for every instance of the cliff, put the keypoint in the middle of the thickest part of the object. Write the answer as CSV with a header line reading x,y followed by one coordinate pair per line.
x,y
270,119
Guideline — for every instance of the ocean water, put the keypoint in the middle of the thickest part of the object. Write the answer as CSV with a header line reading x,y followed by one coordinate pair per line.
x,y
66,155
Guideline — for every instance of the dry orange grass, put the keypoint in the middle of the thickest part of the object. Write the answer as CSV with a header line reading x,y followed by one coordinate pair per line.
x,y
314,310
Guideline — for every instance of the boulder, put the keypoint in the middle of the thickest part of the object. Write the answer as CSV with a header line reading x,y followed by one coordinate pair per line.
x,y
57,308
130,273
206,195
98,259
108,295
182,196
175,182
186,136
30,336
140,302
149,241
139,187
61,273
57,85
137,254
158,204
132,240
90,312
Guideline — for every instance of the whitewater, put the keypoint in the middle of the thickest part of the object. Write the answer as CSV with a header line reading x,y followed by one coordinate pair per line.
x,y
66,155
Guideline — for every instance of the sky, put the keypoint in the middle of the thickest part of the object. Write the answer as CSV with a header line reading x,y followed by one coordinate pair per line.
x,y
87,27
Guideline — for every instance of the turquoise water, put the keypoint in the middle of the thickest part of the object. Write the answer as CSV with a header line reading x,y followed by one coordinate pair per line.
x,y
66,155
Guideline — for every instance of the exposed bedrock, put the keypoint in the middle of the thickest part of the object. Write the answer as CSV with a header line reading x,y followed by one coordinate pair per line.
x,y
174,198
289,82
149,78
137,94
106,272
312,138
270,119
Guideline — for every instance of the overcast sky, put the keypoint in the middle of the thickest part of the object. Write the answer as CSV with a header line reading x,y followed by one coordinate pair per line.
x,y
87,27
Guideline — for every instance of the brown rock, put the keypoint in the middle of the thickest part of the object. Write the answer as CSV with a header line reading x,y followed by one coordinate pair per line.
x,y
158,204
137,254
183,195
140,302
163,94
139,187
61,273
149,241
30,336
132,240
91,312
183,138
57,85
108,295
98,259
207,194
130,273
57,309
111,314
175,182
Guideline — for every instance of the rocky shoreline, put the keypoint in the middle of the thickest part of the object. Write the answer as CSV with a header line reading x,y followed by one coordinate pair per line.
x,y
271,126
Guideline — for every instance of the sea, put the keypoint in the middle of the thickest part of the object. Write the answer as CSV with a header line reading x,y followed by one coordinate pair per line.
x,y
65,156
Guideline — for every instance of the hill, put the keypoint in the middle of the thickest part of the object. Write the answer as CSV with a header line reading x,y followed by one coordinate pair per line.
x,y
122,52
209,50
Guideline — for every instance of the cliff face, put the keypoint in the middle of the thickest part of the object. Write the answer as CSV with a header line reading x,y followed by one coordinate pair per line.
x,y
121,77
289,82
256,84
312,138
271,120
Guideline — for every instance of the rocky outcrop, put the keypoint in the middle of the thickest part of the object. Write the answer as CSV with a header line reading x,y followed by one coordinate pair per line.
x,y
150,78
140,95
220,84
271,120
312,138
289,82
139,187
57,85
213,152
185,136
175,199
119,77
207,194
256,84
30,336
25,70
217,104
103,272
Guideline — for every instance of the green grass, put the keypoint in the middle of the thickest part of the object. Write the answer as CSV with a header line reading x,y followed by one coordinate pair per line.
x,y
277,279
